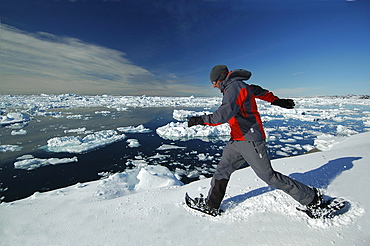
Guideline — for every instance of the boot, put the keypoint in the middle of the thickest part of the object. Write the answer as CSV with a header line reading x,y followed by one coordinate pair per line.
x,y
317,205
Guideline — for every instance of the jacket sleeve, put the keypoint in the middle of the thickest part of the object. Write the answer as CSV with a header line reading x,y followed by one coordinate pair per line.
x,y
263,94
226,111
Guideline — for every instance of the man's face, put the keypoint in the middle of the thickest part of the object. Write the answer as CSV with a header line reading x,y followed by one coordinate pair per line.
x,y
217,84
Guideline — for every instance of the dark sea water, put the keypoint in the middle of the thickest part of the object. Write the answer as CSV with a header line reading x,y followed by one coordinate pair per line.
x,y
116,157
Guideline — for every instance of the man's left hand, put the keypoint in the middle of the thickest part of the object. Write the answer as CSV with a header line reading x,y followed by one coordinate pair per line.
x,y
284,103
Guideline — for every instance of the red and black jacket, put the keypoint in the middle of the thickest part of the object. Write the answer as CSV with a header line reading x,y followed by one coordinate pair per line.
x,y
239,107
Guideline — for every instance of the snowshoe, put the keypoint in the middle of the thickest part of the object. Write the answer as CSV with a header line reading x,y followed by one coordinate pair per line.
x,y
324,209
200,204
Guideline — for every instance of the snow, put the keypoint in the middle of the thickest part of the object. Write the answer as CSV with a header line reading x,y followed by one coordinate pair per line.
x,y
344,131
326,141
141,179
75,144
144,206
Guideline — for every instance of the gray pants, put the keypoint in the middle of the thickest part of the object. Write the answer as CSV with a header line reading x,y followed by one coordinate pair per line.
x,y
253,154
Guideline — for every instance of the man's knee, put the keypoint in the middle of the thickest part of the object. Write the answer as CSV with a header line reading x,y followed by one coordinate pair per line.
x,y
270,178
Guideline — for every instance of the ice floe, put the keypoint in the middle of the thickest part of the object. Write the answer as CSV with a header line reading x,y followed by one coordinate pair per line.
x,y
133,143
12,118
133,129
33,163
77,130
169,146
74,144
19,132
181,131
9,148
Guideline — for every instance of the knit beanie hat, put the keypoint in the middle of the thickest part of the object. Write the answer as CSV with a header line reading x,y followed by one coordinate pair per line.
x,y
218,72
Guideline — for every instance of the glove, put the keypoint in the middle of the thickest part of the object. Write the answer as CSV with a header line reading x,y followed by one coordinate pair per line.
x,y
195,120
284,103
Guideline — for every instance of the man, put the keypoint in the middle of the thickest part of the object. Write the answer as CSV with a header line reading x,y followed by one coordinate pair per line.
x,y
247,144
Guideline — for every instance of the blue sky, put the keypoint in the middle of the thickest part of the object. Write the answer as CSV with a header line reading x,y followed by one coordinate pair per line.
x,y
167,48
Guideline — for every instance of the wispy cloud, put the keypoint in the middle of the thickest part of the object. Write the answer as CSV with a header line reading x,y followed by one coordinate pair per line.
x,y
299,73
45,63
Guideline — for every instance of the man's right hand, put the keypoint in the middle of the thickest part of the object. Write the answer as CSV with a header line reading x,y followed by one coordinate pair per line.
x,y
195,120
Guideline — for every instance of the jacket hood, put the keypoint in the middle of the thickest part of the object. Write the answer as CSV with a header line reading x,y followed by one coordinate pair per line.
x,y
237,74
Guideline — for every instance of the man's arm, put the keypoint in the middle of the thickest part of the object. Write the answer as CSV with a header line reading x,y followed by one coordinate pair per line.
x,y
223,114
268,96
228,109
262,94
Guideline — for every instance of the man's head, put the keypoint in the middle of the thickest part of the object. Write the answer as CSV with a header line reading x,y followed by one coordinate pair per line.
x,y
218,74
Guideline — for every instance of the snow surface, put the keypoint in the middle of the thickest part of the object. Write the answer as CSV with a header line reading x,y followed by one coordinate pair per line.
x,y
144,206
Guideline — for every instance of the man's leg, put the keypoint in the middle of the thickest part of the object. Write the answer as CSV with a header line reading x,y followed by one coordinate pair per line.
x,y
256,155
231,160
